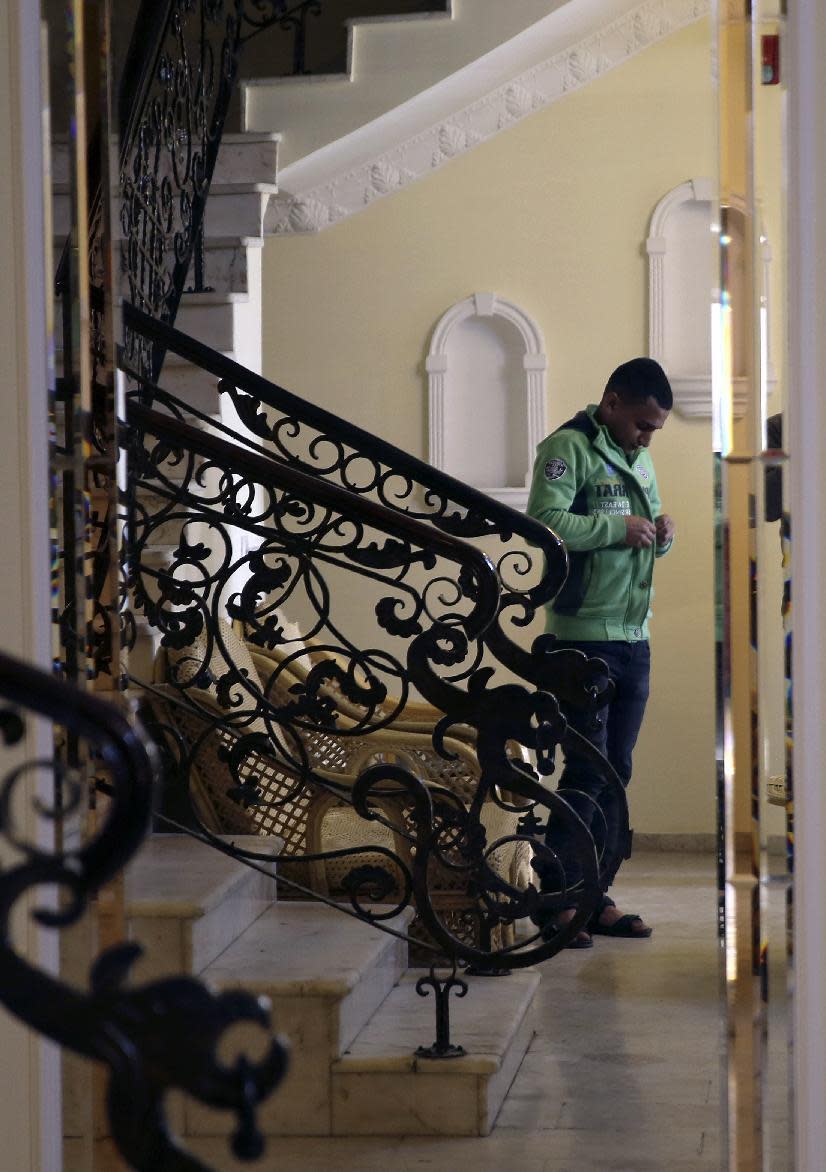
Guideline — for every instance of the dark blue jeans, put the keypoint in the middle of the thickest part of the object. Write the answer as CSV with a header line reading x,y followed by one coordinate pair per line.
x,y
613,730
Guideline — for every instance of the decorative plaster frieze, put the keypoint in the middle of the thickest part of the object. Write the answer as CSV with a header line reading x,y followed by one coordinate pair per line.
x,y
352,189
518,102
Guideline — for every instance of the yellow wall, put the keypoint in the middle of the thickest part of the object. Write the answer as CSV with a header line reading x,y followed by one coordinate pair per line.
x,y
553,215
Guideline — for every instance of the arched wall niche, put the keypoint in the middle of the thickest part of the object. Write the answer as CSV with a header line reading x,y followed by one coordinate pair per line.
x,y
486,387
681,278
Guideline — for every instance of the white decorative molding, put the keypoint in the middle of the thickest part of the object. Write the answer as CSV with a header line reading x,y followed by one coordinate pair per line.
x,y
691,386
533,411
386,155
680,289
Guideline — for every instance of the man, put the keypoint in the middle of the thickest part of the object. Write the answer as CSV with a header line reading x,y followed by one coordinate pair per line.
x,y
594,485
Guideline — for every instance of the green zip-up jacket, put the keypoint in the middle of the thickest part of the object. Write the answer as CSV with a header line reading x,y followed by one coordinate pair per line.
x,y
583,488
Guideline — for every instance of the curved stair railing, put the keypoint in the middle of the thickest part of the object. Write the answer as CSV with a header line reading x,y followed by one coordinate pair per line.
x,y
218,532
530,559
175,92
175,87
153,1037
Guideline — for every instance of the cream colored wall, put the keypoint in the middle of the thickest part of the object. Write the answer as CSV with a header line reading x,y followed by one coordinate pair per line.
x,y
552,214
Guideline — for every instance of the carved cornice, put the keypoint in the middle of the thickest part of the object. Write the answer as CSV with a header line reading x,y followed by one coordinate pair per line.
x,y
318,205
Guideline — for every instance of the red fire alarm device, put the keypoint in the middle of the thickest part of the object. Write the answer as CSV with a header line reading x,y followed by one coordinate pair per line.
x,y
770,59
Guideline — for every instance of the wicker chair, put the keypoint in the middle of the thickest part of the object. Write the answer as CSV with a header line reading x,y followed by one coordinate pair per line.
x,y
308,818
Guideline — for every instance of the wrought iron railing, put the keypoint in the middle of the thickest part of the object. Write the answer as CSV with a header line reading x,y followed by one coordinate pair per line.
x,y
283,731
151,1038
174,92
530,559
311,726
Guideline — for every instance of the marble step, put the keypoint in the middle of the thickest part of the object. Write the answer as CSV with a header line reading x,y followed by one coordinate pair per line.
x,y
212,318
158,536
246,167
226,268
233,209
186,903
242,158
226,264
237,208
325,974
247,158
380,1087
195,387
209,317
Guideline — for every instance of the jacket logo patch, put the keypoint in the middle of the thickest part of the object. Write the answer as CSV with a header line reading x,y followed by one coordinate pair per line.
x,y
641,472
555,468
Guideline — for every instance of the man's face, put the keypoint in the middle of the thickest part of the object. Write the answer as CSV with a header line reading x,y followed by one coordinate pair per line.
x,y
631,424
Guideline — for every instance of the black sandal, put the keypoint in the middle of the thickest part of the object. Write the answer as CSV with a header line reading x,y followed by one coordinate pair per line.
x,y
622,928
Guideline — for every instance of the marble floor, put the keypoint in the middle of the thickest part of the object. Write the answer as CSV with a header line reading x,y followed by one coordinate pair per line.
x,y
623,1073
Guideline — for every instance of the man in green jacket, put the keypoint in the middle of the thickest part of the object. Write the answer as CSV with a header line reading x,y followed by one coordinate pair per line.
x,y
594,485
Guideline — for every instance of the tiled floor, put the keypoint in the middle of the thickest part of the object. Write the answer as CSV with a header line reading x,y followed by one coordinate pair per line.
x,y
623,1073
624,1070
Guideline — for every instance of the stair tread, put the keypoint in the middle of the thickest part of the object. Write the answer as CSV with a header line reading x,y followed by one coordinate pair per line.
x,y
242,137
292,79
298,949
486,1021
217,187
220,187
217,243
178,876
230,297
398,18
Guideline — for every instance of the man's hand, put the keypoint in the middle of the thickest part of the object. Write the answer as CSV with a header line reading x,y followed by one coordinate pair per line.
x,y
665,529
639,532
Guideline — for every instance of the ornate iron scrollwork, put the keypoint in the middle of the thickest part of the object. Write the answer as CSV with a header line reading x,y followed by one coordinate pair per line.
x,y
311,732
152,1037
178,81
531,567
308,511
169,143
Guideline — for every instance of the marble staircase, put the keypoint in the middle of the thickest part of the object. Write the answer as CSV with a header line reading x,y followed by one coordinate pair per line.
x,y
390,59
423,1096
340,989
186,903
227,313
340,993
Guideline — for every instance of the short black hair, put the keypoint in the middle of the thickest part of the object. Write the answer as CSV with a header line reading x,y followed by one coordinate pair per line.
x,y
640,379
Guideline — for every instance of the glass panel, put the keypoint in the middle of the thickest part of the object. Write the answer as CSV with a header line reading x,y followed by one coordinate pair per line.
x,y
773,594
753,687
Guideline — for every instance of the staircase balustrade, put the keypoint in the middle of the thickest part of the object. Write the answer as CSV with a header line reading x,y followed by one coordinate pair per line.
x,y
177,81
531,567
316,722
285,734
